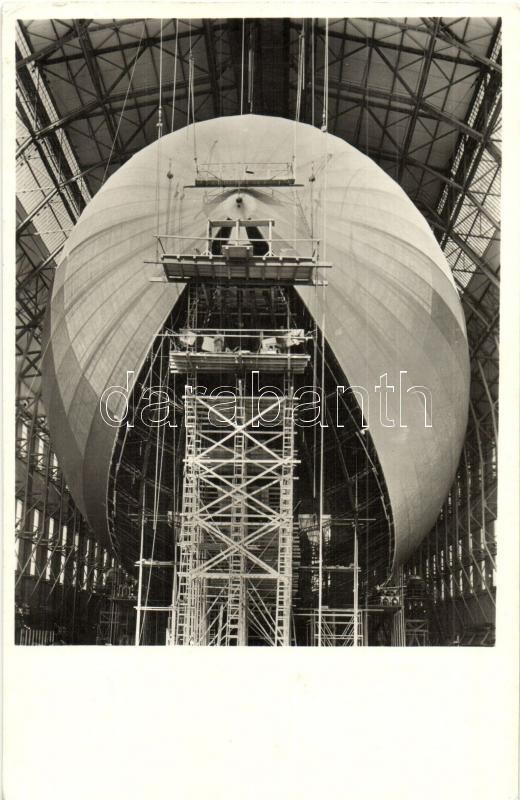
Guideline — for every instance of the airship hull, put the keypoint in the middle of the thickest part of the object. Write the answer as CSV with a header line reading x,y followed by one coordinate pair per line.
x,y
390,312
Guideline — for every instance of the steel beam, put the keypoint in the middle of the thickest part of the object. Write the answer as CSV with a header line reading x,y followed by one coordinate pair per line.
x,y
146,43
79,27
425,71
370,41
401,104
443,32
212,65
98,105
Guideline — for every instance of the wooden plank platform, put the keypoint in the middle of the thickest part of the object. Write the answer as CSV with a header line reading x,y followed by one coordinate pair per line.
x,y
238,183
288,270
183,361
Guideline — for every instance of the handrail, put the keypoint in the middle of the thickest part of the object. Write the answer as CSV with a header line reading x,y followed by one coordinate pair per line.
x,y
275,247
225,239
237,332
245,172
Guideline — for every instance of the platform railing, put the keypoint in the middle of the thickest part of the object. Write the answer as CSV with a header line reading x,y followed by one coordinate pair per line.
x,y
243,173
219,340
177,247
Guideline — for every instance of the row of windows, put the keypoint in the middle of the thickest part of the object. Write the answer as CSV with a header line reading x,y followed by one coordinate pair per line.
x,y
465,547
468,484
40,448
88,569
460,581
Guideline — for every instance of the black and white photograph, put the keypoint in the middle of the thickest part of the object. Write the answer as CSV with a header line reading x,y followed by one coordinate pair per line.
x,y
257,331
253,292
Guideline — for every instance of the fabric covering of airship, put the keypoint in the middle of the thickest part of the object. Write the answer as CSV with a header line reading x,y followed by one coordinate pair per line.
x,y
390,308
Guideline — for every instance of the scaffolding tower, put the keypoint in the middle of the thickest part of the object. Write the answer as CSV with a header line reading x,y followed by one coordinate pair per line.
x,y
327,625
233,560
234,577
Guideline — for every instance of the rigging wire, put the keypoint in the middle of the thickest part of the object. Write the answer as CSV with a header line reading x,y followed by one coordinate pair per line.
x,y
190,111
159,134
140,579
323,244
325,117
192,92
301,72
190,122
175,73
322,448
124,106
242,69
312,70
159,115
169,175
300,87
158,469
174,510
250,70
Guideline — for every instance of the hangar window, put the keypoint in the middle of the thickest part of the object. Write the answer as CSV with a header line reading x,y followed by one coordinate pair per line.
x,y
50,547
34,546
63,558
18,513
23,440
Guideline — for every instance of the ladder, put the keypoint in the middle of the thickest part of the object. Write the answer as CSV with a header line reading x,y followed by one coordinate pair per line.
x,y
188,600
285,541
236,632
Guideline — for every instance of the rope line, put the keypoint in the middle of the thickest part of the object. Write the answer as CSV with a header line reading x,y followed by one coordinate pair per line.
x,y
175,73
325,117
301,72
251,70
242,70
322,448
191,103
138,627
159,121
158,468
124,106
323,252
312,70
159,134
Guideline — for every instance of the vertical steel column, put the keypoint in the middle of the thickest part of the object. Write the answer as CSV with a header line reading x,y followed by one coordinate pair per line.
x,y
284,581
187,602
236,630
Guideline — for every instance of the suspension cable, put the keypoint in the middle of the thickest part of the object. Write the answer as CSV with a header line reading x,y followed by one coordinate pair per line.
x,y
191,103
242,69
159,134
159,112
250,70
323,251
175,73
322,438
158,468
325,117
312,69
136,59
190,112
141,556
301,72
174,506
